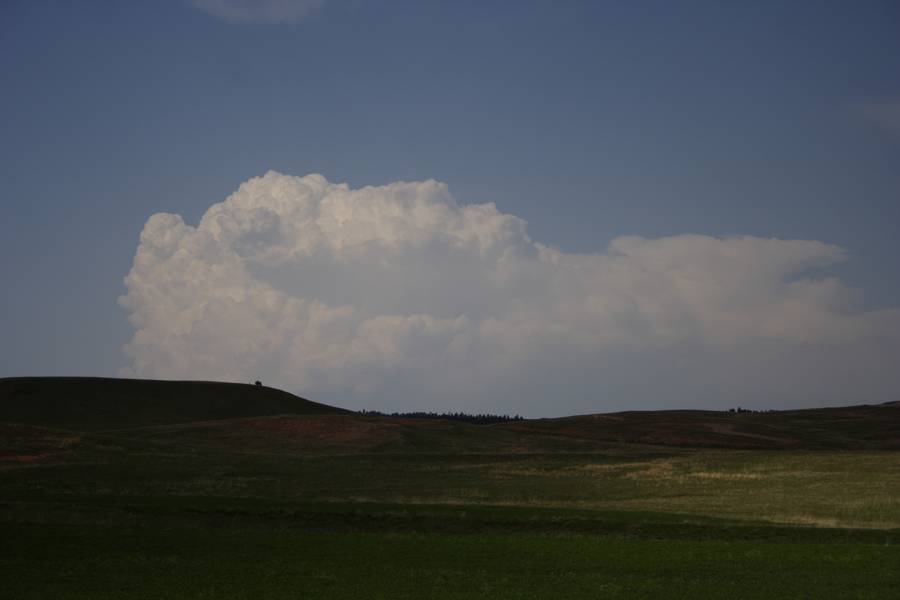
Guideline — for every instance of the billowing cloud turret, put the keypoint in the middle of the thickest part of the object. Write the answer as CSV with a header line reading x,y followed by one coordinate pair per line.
x,y
398,297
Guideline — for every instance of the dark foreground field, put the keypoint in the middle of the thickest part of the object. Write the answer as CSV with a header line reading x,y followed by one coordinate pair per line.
x,y
322,504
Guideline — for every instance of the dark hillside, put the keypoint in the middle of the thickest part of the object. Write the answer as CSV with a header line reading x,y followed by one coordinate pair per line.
x,y
264,418
93,404
871,427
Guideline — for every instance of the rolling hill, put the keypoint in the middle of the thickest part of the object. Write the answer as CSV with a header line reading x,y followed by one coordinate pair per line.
x,y
94,404
153,477
199,413
871,427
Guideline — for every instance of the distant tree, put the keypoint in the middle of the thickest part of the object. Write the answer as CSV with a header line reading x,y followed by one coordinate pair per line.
x,y
477,419
258,383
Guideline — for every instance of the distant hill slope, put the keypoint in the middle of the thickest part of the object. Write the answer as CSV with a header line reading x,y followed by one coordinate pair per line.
x,y
873,427
93,403
262,418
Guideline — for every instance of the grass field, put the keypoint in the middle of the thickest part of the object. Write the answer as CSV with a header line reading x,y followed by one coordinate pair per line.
x,y
344,506
109,562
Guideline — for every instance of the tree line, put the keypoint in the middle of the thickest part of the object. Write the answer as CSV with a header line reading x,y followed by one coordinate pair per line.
x,y
475,419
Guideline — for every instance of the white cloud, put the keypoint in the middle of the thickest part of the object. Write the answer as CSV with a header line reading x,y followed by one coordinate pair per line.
x,y
398,297
259,11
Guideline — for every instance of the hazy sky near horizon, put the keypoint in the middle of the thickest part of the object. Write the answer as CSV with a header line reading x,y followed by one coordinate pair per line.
x,y
640,204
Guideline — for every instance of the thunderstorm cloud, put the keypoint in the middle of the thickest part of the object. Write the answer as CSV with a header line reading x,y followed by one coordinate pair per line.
x,y
399,297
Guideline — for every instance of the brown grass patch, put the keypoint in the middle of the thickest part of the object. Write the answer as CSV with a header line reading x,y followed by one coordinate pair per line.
x,y
326,429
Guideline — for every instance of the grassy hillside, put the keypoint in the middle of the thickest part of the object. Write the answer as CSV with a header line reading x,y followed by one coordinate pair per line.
x,y
865,427
145,489
93,403
245,415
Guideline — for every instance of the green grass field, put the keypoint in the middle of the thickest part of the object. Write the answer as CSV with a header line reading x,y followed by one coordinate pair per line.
x,y
238,562
343,506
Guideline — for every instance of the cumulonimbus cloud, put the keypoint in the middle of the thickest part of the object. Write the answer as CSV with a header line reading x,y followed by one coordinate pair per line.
x,y
399,297
262,12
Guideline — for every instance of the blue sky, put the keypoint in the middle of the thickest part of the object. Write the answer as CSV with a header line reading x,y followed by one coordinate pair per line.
x,y
589,120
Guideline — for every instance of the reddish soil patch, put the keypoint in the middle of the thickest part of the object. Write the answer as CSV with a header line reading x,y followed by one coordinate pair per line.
x,y
27,458
327,429
652,428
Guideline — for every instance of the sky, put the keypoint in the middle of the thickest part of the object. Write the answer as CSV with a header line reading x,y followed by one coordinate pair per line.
x,y
542,208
